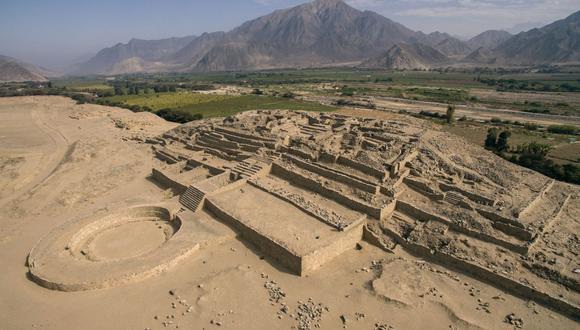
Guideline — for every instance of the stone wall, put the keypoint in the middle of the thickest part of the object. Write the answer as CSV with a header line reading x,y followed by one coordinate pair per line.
x,y
502,282
317,187
347,241
381,175
424,188
166,156
274,249
299,153
163,179
400,162
326,216
333,175
242,134
476,197
425,216
539,197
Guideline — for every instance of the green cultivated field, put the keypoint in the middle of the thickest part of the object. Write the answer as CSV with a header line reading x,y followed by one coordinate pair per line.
x,y
169,100
237,104
216,105
565,149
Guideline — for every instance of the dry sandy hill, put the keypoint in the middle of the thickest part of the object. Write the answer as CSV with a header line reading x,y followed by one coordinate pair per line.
x,y
107,243
12,69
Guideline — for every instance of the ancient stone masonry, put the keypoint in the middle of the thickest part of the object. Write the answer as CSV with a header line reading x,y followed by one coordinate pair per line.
x,y
304,187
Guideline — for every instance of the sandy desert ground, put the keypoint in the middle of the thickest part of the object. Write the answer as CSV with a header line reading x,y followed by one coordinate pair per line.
x,y
62,162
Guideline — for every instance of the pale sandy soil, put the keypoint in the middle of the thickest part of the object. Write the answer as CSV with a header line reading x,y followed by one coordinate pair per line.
x,y
391,104
61,161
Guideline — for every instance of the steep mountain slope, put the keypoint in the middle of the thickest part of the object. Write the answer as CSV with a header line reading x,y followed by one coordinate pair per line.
x,y
196,49
453,47
12,69
489,39
557,42
330,32
407,56
136,50
482,55
316,33
431,39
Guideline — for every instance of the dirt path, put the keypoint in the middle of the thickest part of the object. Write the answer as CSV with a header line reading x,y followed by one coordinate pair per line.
x,y
53,152
392,104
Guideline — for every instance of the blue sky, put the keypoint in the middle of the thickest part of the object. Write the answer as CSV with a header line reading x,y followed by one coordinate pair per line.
x,y
54,32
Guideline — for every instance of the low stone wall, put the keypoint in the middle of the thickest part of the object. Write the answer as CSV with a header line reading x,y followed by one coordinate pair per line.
x,y
381,175
273,249
212,169
326,157
168,182
496,217
424,216
478,198
299,153
399,164
215,184
218,142
166,156
333,175
218,146
242,134
330,193
243,140
539,197
424,188
347,240
504,283
337,222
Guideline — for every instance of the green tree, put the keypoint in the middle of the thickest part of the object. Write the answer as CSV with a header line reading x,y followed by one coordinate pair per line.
x,y
450,115
502,141
491,139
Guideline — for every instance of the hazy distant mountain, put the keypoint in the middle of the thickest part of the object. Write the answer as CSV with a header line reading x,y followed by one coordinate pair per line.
x,y
316,33
443,42
523,27
557,42
330,32
12,69
134,55
407,56
190,54
489,39
453,47
482,55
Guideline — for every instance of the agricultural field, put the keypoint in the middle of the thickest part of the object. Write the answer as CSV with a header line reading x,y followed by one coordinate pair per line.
x,y
232,105
157,101
565,148
211,105
80,84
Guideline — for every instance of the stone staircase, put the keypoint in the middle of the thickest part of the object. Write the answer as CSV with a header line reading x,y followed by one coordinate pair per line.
x,y
313,129
249,168
453,198
267,158
192,198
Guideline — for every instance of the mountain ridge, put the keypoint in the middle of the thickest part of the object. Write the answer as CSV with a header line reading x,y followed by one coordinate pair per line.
x,y
324,33
14,70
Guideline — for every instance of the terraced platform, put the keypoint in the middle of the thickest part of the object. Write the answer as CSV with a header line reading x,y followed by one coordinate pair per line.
x,y
304,188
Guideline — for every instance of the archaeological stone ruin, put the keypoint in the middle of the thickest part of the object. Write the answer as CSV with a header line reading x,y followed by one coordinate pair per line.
x,y
302,188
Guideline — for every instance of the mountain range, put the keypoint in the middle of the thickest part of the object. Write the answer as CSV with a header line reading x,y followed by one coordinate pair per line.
x,y
331,33
13,70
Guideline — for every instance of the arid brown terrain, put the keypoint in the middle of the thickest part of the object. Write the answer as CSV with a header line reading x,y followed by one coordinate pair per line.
x,y
273,220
